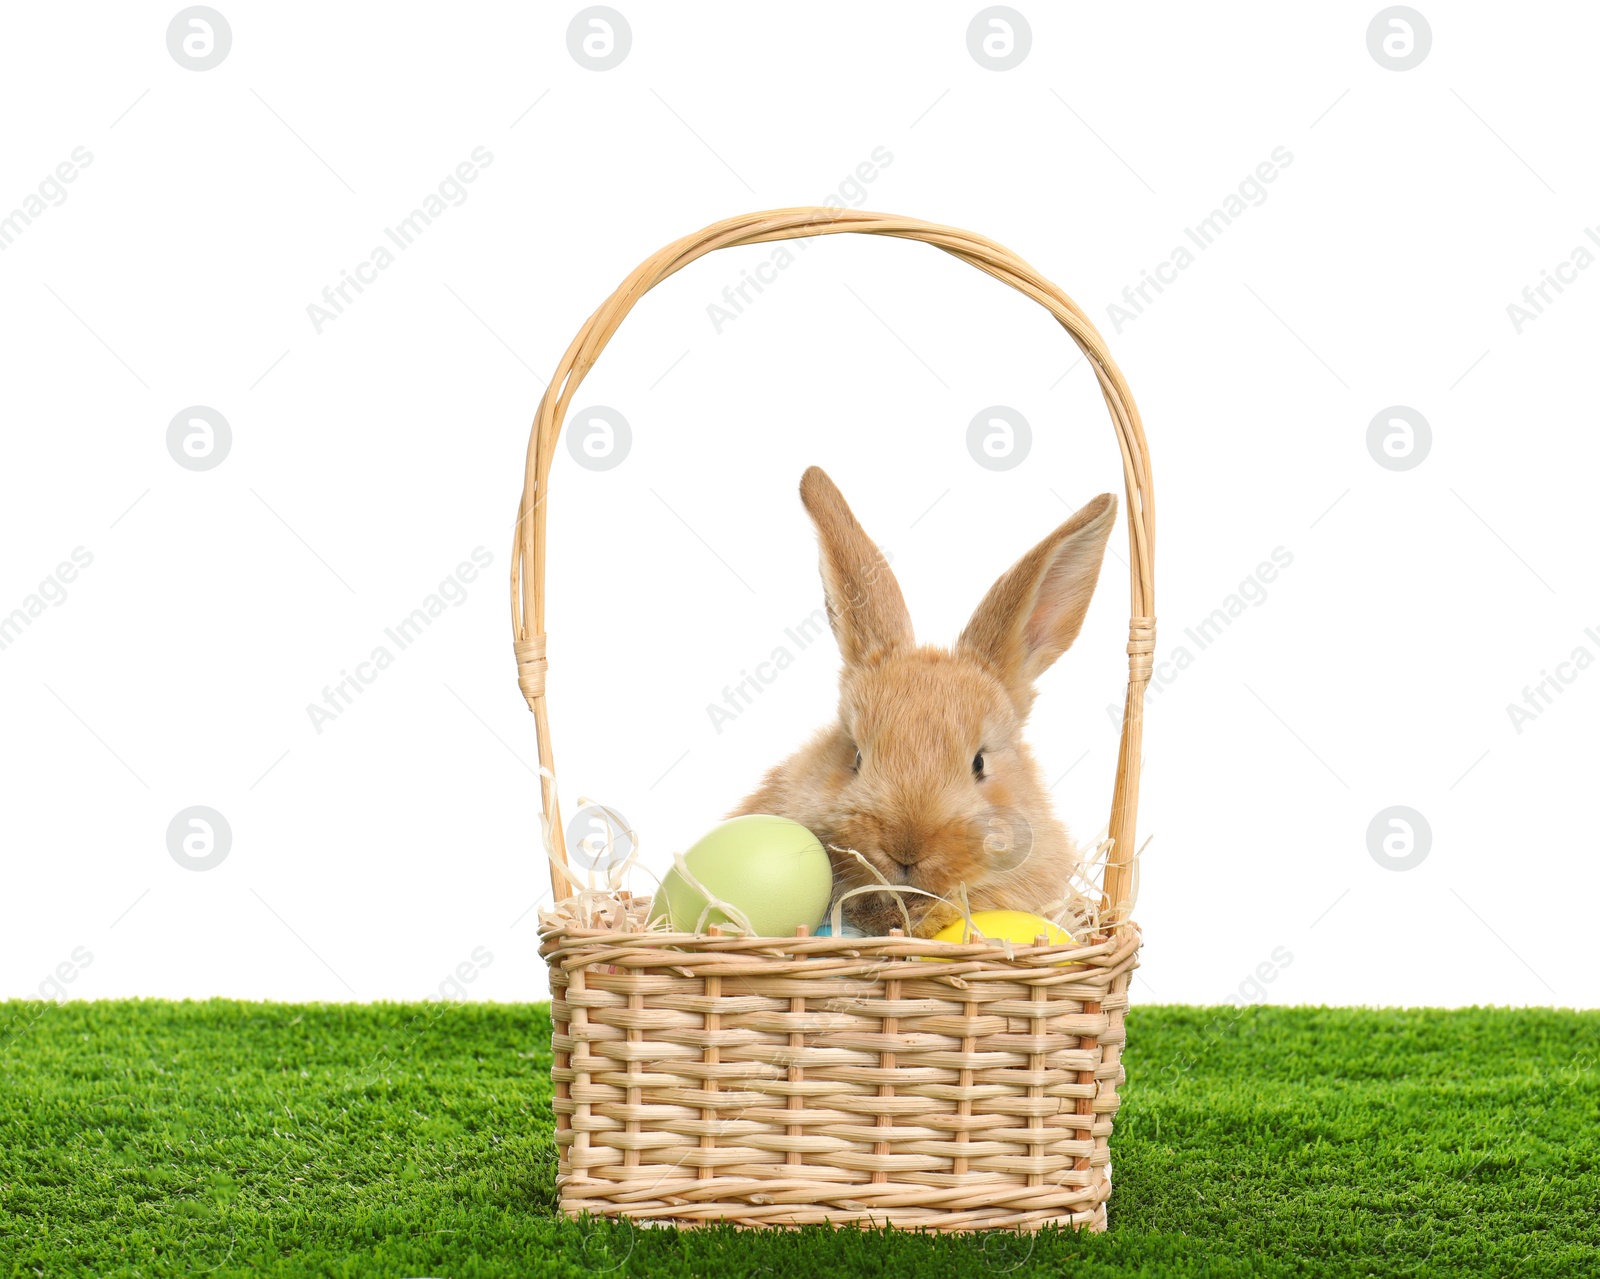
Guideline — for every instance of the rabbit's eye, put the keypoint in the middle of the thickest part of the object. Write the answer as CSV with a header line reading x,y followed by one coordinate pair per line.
x,y
977,765
857,765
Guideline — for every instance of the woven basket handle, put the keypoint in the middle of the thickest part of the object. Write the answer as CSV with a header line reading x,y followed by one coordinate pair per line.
x,y
529,542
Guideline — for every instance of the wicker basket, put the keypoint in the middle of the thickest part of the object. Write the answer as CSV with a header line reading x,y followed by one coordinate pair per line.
x,y
789,1081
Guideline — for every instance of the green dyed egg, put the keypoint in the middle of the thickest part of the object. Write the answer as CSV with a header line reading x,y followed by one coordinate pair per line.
x,y
771,868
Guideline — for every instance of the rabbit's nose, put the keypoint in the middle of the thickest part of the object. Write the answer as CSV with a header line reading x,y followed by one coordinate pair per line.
x,y
907,850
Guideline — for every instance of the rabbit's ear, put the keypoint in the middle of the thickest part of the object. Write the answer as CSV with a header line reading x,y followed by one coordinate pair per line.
x,y
865,607
1034,612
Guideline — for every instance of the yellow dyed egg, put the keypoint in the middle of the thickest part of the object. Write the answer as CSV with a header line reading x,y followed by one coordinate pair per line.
x,y
1015,926
772,869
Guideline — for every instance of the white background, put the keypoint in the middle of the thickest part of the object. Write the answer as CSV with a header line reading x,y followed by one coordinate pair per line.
x,y
371,859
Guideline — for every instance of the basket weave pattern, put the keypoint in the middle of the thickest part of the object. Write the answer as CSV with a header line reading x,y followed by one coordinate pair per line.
x,y
878,1081
723,1079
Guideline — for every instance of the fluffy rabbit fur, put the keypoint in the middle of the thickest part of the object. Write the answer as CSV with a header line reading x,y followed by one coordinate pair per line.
x,y
925,772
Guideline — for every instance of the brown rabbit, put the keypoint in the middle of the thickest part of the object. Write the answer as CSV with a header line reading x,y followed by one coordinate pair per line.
x,y
925,772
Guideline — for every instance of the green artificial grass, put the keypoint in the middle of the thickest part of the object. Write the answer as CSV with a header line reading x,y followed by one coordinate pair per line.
x,y
226,1138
